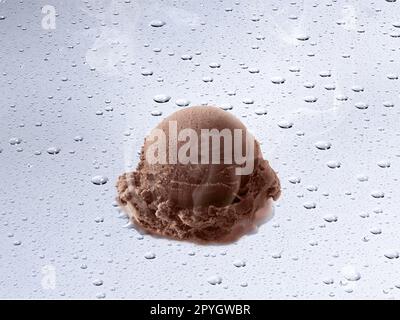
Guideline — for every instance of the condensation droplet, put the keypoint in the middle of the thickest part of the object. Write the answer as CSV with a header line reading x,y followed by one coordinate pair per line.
x,y
99,180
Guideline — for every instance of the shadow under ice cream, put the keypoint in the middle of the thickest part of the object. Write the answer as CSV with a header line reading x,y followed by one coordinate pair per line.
x,y
201,177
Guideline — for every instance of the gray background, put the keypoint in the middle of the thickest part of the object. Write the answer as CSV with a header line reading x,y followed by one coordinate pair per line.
x,y
79,87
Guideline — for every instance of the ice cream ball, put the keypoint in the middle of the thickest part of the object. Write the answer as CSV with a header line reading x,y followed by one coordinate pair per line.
x,y
201,174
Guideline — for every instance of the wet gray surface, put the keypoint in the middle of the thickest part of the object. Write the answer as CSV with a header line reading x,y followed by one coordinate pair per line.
x,y
316,82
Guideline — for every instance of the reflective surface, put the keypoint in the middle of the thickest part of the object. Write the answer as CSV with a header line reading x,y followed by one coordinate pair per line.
x,y
315,81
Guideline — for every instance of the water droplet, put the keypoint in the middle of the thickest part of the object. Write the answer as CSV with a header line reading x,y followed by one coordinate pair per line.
x,y
186,57
312,188
182,102
214,280
97,282
377,194
341,97
276,255
323,145
384,164
261,111
15,141
330,87
150,255
294,180
310,99
392,254
303,37
161,98
357,88
226,106
333,164
350,273
309,205
239,263
248,101
214,65
278,80
284,124
376,231
328,281
156,113
361,105
99,180
146,72
362,178
364,215
388,104
53,150
325,74
330,218
157,23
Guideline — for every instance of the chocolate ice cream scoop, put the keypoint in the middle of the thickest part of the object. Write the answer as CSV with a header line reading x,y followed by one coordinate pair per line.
x,y
201,173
